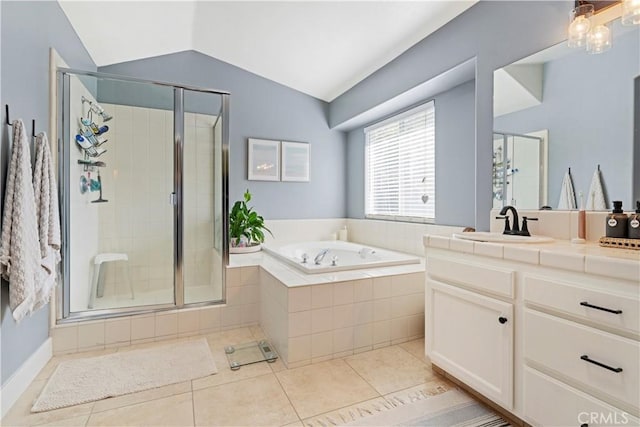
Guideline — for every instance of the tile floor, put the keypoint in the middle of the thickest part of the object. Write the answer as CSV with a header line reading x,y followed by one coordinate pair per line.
x,y
322,394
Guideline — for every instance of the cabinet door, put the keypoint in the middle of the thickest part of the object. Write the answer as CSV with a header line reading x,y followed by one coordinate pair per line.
x,y
471,337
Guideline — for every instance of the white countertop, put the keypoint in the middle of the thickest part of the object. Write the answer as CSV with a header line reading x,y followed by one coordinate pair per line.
x,y
292,277
586,258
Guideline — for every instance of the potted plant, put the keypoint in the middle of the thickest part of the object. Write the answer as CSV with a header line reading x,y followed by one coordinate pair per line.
x,y
246,227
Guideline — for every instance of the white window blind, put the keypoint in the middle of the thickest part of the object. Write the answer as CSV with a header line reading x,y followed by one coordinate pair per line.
x,y
400,166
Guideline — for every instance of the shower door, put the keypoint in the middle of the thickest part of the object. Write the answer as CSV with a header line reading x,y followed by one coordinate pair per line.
x,y
143,192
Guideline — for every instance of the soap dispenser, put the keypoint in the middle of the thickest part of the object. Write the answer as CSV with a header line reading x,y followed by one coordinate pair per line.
x,y
634,223
617,221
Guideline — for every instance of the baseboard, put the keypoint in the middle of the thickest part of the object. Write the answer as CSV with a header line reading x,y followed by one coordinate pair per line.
x,y
22,378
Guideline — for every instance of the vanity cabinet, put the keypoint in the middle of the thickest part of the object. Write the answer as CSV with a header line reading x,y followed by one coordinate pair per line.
x,y
553,346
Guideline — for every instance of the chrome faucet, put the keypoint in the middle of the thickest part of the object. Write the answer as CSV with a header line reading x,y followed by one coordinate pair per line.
x,y
318,259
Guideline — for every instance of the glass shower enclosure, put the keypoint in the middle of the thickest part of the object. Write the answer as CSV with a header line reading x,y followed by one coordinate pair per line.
x,y
143,172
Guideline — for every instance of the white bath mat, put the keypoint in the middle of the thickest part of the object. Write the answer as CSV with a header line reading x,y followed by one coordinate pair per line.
x,y
86,380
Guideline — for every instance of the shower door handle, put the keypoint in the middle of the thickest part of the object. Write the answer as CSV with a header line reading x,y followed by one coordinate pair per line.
x,y
172,199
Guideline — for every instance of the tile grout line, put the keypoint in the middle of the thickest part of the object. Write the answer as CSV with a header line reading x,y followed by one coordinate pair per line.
x,y
383,395
358,374
288,398
411,354
275,374
193,404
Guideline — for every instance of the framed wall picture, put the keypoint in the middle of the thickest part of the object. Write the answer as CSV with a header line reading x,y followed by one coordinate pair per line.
x,y
263,160
295,161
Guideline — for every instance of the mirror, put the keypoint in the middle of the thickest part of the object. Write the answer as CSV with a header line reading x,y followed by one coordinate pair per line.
x,y
563,109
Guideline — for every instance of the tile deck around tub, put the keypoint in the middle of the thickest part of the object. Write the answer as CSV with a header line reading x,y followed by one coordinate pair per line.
x,y
268,394
291,277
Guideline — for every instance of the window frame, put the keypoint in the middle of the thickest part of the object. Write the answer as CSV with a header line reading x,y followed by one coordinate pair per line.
x,y
430,104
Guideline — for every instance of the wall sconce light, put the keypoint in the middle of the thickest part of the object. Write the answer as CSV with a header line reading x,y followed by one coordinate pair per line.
x,y
587,30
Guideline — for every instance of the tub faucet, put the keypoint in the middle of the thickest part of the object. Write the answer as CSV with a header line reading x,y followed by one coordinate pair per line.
x,y
318,259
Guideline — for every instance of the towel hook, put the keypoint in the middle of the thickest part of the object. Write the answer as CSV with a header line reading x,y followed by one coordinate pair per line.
x,y
598,167
569,171
8,122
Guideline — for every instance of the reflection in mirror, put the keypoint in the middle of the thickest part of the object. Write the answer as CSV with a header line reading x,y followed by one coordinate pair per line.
x,y
582,106
519,170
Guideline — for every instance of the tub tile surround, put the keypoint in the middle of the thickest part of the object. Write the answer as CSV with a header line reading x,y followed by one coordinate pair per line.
x,y
309,324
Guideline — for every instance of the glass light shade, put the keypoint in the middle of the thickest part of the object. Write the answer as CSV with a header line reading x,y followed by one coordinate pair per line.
x,y
599,39
631,12
580,25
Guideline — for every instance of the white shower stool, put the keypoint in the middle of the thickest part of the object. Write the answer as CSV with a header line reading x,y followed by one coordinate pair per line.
x,y
97,284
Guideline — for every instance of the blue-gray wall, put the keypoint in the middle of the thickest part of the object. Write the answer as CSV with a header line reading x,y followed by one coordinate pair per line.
x,y
587,105
495,33
28,30
261,108
455,158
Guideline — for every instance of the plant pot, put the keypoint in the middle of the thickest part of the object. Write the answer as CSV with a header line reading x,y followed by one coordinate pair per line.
x,y
245,249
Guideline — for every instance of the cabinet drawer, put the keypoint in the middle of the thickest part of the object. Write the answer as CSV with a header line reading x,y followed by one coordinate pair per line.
x,y
495,280
576,351
549,402
618,311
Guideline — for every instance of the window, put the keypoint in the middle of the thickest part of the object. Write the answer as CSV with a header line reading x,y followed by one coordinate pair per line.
x,y
400,166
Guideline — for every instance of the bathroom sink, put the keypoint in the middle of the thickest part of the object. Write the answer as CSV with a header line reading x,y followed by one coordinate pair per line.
x,y
483,236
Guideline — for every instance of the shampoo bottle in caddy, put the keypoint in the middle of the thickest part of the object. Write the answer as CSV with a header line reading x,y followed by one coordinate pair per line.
x,y
617,221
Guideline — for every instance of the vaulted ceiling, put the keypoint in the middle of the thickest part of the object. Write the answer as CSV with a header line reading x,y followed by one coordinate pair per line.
x,y
321,48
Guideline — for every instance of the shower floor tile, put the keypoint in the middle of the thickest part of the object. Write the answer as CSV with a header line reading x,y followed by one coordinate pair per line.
x,y
258,394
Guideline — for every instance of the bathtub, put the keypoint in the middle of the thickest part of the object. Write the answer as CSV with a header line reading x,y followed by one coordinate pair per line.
x,y
340,256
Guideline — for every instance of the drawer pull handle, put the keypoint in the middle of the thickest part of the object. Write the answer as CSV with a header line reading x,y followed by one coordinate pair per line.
x,y
602,365
608,310
502,320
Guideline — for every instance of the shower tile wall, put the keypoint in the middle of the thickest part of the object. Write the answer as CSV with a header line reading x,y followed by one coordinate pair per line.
x,y
138,219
